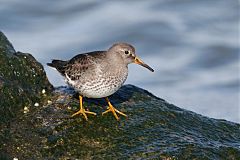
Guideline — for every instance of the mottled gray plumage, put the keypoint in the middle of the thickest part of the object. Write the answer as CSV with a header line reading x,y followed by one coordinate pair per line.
x,y
98,74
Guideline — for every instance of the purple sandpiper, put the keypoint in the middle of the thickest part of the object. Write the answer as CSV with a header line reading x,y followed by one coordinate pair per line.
x,y
98,74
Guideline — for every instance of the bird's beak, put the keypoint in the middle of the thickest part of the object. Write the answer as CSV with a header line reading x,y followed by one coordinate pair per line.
x,y
140,62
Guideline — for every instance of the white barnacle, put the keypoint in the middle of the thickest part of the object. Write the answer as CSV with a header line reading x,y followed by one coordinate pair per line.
x,y
25,109
43,91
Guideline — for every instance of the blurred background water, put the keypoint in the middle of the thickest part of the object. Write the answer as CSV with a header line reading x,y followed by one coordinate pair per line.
x,y
192,45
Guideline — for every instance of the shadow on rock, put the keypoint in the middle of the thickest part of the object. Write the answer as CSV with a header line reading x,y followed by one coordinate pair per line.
x,y
154,129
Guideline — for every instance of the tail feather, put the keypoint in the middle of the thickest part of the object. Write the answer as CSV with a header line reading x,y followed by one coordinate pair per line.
x,y
58,64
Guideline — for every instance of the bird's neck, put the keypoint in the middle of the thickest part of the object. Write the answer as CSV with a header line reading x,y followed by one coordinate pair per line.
x,y
116,63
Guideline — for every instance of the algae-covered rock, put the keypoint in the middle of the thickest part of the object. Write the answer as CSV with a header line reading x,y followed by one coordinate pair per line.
x,y
22,80
154,129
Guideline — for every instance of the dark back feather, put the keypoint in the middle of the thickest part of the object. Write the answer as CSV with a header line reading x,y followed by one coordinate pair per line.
x,y
78,65
81,64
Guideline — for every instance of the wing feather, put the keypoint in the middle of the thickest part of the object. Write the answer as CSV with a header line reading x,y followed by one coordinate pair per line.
x,y
83,64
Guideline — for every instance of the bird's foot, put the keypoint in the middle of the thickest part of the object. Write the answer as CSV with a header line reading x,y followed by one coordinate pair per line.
x,y
114,110
84,113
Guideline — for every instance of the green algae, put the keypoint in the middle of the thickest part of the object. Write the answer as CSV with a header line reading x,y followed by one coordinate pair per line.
x,y
154,129
22,80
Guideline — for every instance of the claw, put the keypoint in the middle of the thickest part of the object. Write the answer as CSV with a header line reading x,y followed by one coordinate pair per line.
x,y
113,110
82,110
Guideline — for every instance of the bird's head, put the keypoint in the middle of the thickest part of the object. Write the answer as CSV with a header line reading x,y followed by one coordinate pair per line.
x,y
127,53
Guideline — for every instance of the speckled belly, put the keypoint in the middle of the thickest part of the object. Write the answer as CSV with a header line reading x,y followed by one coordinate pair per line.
x,y
100,87
99,91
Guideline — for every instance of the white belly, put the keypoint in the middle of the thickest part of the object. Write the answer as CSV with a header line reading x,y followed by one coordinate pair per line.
x,y
99,87
98,92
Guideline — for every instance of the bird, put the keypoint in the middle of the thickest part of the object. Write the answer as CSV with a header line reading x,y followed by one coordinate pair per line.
x,y
98,74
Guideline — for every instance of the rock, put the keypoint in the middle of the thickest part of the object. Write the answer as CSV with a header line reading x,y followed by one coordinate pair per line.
x,y
35,123
154,129
22,79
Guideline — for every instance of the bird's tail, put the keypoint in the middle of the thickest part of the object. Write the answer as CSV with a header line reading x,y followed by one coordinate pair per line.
x,y
58,64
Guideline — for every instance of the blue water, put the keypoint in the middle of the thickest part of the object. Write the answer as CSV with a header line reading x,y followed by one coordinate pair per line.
x,y
192,45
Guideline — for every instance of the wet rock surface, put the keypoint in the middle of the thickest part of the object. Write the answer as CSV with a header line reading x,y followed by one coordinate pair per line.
x,y
154,128
22,80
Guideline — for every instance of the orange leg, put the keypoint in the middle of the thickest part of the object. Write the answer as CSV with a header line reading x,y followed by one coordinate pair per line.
x,y
82,110
113,110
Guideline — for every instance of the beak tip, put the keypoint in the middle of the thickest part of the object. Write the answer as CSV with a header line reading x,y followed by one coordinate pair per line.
x,y
140,62
151,69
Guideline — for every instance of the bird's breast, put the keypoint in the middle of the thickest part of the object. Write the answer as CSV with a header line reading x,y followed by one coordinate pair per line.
x,y
100,85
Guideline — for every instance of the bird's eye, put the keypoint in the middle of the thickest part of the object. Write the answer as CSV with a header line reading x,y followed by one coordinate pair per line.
x,y
127,52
